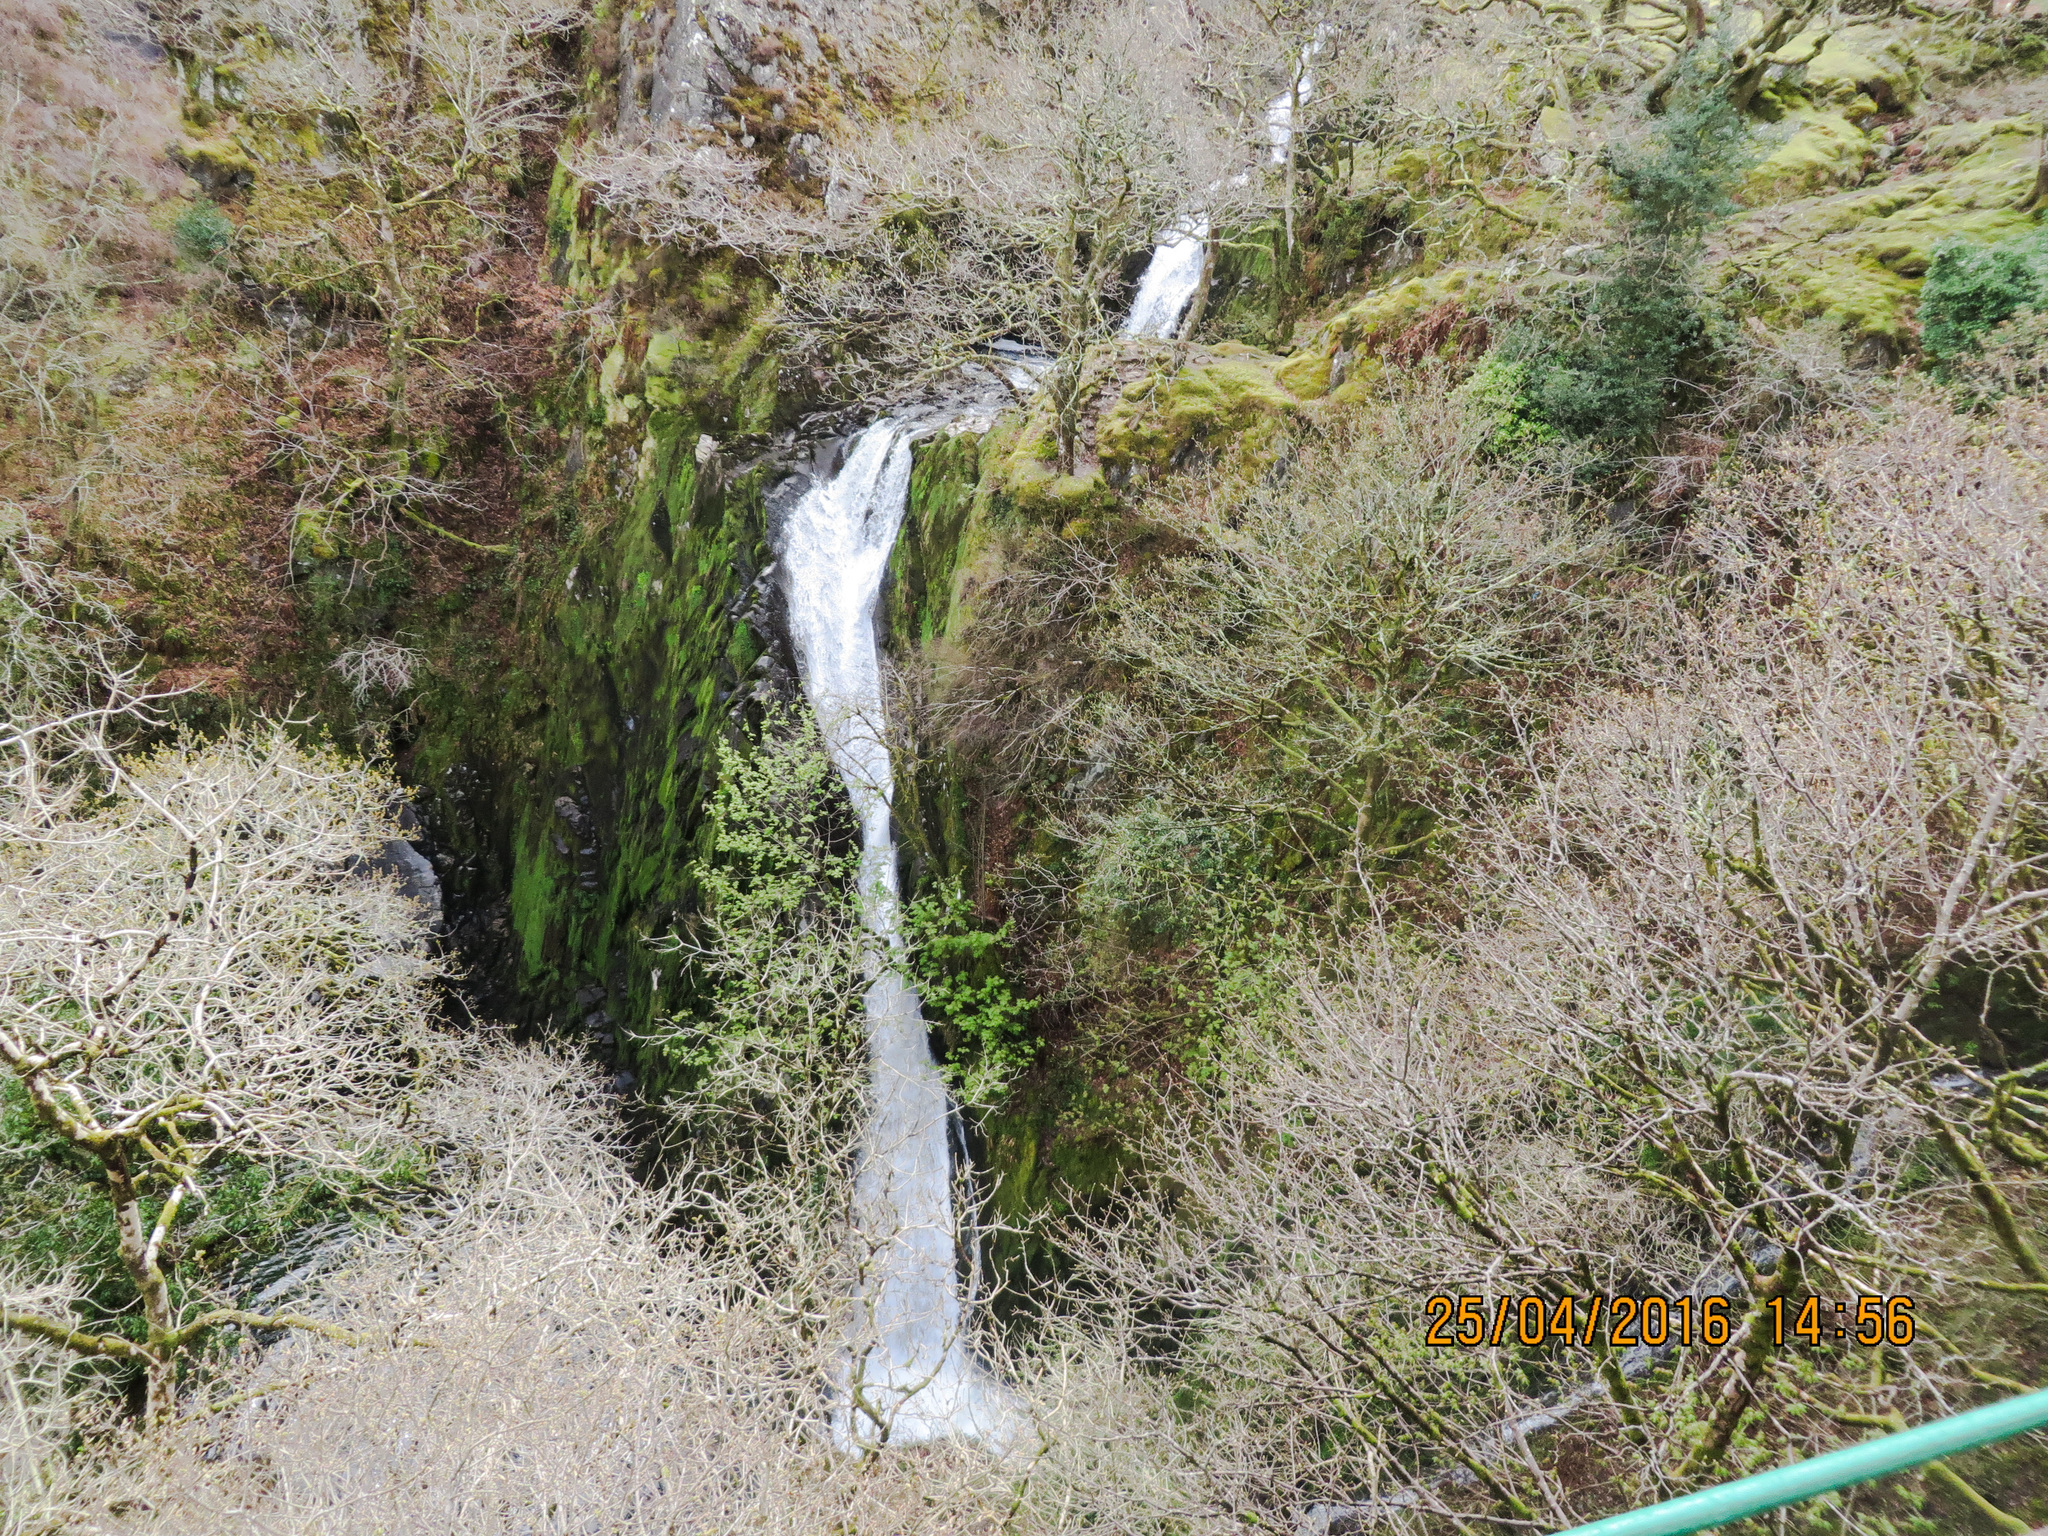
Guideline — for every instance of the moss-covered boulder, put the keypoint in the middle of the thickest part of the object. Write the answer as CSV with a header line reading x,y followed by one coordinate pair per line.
x,y
1821,150
219,164
1345,351
1221,398
1861,71
1854,259
1151,408
1023,466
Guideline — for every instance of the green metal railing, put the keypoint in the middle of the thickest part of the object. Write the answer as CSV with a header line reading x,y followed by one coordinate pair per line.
x,y
1748,1496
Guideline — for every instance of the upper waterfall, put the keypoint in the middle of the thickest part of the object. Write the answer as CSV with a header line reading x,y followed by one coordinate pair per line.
x,y
1178,260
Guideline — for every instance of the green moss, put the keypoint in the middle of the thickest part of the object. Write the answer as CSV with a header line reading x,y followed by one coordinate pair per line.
x,y
217,163
1022,461
313,533
1855,259
946,524
642,650
565,764
1064,1142
1825,149
1225,393
1364,327
1863,70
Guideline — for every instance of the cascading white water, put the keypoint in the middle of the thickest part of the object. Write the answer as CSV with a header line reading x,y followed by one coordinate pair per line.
x,y
1175,270
1170,280
1280,112
909,1375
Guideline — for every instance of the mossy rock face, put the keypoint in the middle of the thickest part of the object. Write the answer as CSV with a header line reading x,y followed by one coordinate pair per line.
x,y
1861,71
218,164
1824,149
1066,1133
1022,459
1225,398
948,531
578,784
1855,259
564,766
1341,352
1038,488
1408,184
1059,1145
1966,150
945,529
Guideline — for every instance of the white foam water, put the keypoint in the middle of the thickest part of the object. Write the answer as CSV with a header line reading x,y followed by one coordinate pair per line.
x,y
1175,270
909,1376
1171,278
1280,116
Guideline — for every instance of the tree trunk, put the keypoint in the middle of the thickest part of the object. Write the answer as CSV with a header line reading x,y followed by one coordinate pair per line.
x,y
2037,196
148,1277
1287,170
398,331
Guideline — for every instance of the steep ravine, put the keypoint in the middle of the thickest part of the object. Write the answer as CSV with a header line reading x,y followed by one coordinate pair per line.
x,y
562,782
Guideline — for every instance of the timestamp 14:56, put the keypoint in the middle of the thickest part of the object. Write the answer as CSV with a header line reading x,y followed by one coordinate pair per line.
x,y
1872,1321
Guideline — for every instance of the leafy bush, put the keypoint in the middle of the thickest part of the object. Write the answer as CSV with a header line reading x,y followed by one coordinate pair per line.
x,y
957,967
1679,180
1972,287
1498,392
203,232
1605,363
779,946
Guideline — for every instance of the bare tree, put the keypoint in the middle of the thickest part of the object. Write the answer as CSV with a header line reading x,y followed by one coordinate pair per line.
x,y
1728,1006
404,190
1069,153
556,1343
376,666
197,965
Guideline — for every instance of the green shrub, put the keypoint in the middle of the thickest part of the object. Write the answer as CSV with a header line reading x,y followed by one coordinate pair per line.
x,y
1606,360
1679,180
203,232
956,964
1972,287
1499,391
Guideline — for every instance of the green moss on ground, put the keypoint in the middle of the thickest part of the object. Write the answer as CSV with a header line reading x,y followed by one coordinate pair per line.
x,y
1822,150
1342,353
1855,259
1221,398
1861,71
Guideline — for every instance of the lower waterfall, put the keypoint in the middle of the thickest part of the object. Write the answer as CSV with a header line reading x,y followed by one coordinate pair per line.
x,y
909,1376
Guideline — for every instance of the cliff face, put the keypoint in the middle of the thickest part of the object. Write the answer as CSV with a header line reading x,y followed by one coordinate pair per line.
x,y
656,632
568,788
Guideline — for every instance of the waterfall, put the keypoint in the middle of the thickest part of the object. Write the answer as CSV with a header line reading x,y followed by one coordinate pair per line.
x,y
909,1376
1175,270
1280,113
1170,280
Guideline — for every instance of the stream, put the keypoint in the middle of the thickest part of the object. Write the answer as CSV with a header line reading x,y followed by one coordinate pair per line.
x,y
909,1374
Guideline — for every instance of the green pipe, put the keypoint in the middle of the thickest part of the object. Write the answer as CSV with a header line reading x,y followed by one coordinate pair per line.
x,y
1823,1474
